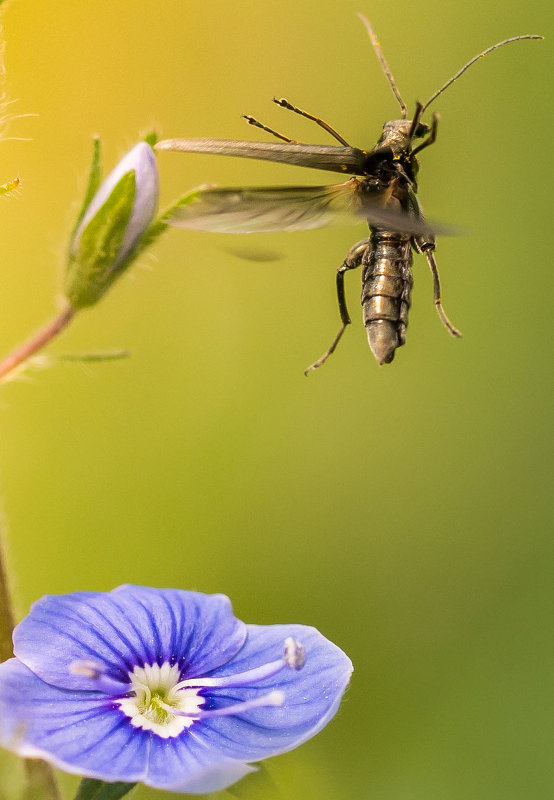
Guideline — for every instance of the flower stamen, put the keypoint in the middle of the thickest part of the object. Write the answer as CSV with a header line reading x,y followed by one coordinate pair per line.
x,y
156,700
274,698
96,672
293,657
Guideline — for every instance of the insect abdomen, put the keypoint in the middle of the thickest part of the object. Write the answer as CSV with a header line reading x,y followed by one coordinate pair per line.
x,y
386,289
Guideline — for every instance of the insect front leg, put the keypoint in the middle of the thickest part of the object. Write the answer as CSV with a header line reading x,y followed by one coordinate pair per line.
x,y
352,261
426,245
431,139
281,101
254,121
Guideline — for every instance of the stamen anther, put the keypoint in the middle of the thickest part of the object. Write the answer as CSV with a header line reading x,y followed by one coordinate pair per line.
x,y
86,668
294,655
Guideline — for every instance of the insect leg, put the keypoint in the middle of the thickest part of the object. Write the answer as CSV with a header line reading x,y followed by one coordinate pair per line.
x,y
321,122
252,121
431,139
426,244
415,121
353,259
428,248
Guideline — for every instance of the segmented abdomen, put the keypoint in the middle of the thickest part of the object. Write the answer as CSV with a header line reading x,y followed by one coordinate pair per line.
x,y
386,289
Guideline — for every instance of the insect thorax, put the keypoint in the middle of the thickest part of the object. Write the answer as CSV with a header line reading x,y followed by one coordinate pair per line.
x,y
396,136
393,151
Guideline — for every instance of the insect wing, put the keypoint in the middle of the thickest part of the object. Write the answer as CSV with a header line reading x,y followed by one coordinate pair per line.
x,y
348,160
263,210
288,208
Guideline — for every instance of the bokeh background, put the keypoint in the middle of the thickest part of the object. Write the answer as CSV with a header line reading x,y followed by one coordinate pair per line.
x,y
404,510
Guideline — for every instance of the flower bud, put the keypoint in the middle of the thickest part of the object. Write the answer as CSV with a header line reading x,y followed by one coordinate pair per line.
x,y
109,232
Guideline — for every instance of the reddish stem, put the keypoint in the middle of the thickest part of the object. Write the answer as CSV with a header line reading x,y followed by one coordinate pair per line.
x,y
37,342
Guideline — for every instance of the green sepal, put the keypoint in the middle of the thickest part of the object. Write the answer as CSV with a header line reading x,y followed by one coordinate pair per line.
x,y
90,789
90,269
161,224
151,138
94,179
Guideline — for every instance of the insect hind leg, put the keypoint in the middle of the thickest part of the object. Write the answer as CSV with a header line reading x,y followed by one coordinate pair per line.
x,y
352,261
428,249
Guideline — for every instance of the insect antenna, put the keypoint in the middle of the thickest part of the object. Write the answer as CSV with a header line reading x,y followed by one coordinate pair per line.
x,y
472,61
384,65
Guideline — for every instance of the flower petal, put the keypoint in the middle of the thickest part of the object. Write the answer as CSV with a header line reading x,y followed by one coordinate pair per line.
x,y
82,733
75,731
129,626
187,764
141,159
48,712
312,694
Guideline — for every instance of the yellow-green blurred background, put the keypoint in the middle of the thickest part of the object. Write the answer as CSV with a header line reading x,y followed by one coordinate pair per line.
x,y
404,510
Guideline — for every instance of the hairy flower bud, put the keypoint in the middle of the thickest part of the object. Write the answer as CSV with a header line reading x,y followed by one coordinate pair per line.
x,y
110,228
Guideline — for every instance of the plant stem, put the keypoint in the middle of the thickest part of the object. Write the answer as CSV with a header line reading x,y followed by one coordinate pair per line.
x,y
7,616
40,783
36,342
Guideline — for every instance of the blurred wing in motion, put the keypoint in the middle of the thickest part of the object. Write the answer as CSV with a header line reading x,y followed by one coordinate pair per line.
x,y
289,208
262,210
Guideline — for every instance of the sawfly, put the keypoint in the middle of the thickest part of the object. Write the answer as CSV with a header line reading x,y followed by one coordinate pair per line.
x,y
383,191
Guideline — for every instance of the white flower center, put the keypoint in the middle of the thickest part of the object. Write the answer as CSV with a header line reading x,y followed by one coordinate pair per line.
x,y
155,691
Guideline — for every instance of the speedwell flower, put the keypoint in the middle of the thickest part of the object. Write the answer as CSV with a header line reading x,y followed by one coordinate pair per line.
x,y
163,686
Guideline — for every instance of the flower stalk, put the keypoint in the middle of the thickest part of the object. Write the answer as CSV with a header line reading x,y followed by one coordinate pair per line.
x,y
7,615
36,342
40,781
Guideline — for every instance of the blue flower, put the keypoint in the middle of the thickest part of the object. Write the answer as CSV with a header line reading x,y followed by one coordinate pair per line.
x,y
163,686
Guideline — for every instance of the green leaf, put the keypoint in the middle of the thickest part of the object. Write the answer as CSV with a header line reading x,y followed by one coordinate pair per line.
x,y
94,179
108,355
90,789
90,270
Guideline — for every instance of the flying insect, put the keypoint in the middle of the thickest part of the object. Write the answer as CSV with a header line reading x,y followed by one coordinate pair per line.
x,y
383,191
